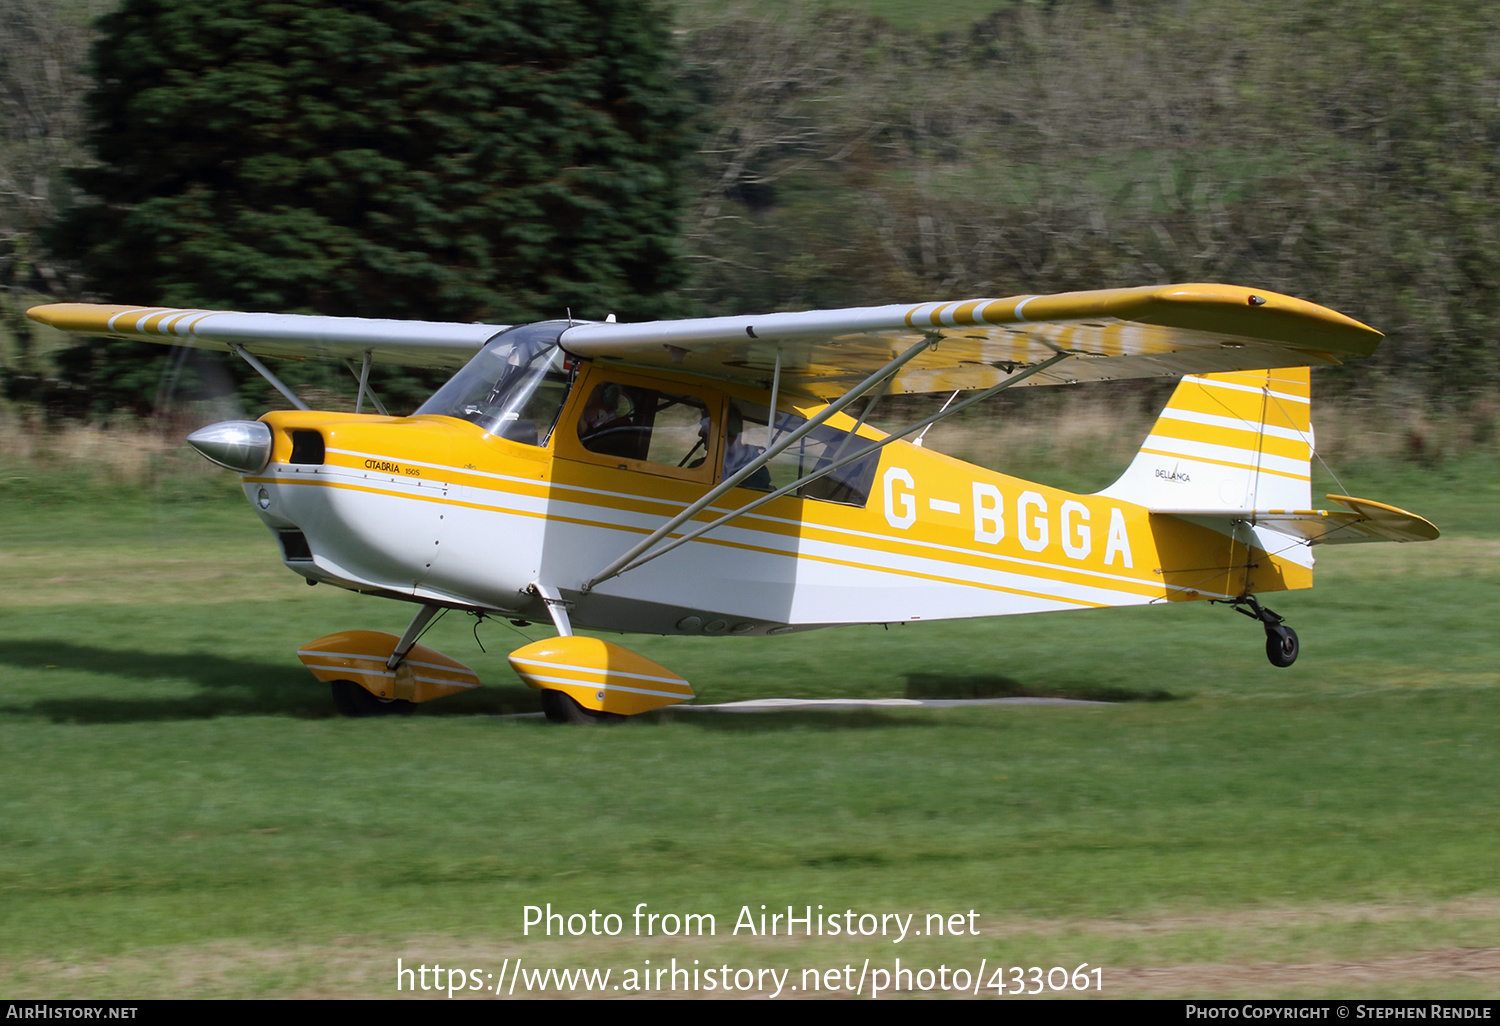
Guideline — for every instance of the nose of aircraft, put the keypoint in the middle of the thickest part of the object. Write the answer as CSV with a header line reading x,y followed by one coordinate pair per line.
x,y
240,445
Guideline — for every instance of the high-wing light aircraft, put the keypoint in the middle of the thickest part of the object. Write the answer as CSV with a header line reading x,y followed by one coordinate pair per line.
x,y
702,476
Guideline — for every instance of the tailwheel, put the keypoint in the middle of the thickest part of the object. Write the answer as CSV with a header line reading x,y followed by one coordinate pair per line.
x,y
1281,641
561,708
353,700
1281,645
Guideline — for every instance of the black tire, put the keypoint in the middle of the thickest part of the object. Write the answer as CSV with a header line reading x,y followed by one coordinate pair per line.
x,y
352,700
561,708
1281,646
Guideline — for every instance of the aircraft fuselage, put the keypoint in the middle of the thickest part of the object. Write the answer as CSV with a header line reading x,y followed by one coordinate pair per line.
x,y
437,509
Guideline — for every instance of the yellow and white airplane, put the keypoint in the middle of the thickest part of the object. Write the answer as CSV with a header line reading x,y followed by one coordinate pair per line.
x,y
702,476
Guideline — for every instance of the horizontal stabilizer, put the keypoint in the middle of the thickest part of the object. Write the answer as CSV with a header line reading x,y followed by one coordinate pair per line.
x,y
1364,521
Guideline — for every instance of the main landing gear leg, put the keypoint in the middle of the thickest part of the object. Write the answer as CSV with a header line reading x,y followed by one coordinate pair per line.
x,y
559,706
413,631
1281,640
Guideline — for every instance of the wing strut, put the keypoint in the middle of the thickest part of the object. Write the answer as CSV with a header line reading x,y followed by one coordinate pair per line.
x,y
363,374
878,378
841,461
263,371
775,388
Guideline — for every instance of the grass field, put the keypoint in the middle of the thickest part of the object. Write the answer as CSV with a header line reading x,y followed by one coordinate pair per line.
x,y
183,815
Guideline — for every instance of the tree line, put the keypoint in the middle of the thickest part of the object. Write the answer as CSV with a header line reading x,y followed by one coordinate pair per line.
x,y
516,159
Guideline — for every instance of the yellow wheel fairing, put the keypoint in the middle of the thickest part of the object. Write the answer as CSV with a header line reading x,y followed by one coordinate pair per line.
x,y
361,656
598,675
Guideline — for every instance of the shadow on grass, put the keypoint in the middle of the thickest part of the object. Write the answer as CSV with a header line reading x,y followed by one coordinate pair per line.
x,y
941,685
248,687
228,687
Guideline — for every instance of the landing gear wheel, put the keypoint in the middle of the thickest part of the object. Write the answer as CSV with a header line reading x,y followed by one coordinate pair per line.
x,y
1281,645
561,708
353,700
1281,640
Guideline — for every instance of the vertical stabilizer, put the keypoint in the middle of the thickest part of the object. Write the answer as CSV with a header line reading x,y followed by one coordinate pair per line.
x,y
1240,441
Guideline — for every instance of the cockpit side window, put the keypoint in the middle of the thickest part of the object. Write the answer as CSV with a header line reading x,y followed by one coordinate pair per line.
x,y
645,424
634,422
823,446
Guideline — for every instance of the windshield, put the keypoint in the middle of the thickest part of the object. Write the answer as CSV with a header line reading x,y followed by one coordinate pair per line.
x,y
514,388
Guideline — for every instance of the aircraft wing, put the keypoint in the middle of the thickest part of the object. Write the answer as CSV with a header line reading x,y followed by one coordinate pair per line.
x,y
286,336
1166,331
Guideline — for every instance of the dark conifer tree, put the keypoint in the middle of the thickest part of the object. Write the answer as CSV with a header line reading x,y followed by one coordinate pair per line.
x,y
498,160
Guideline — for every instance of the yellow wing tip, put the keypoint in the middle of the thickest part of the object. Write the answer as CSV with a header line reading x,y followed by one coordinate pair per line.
x,y
85,318
1266,302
